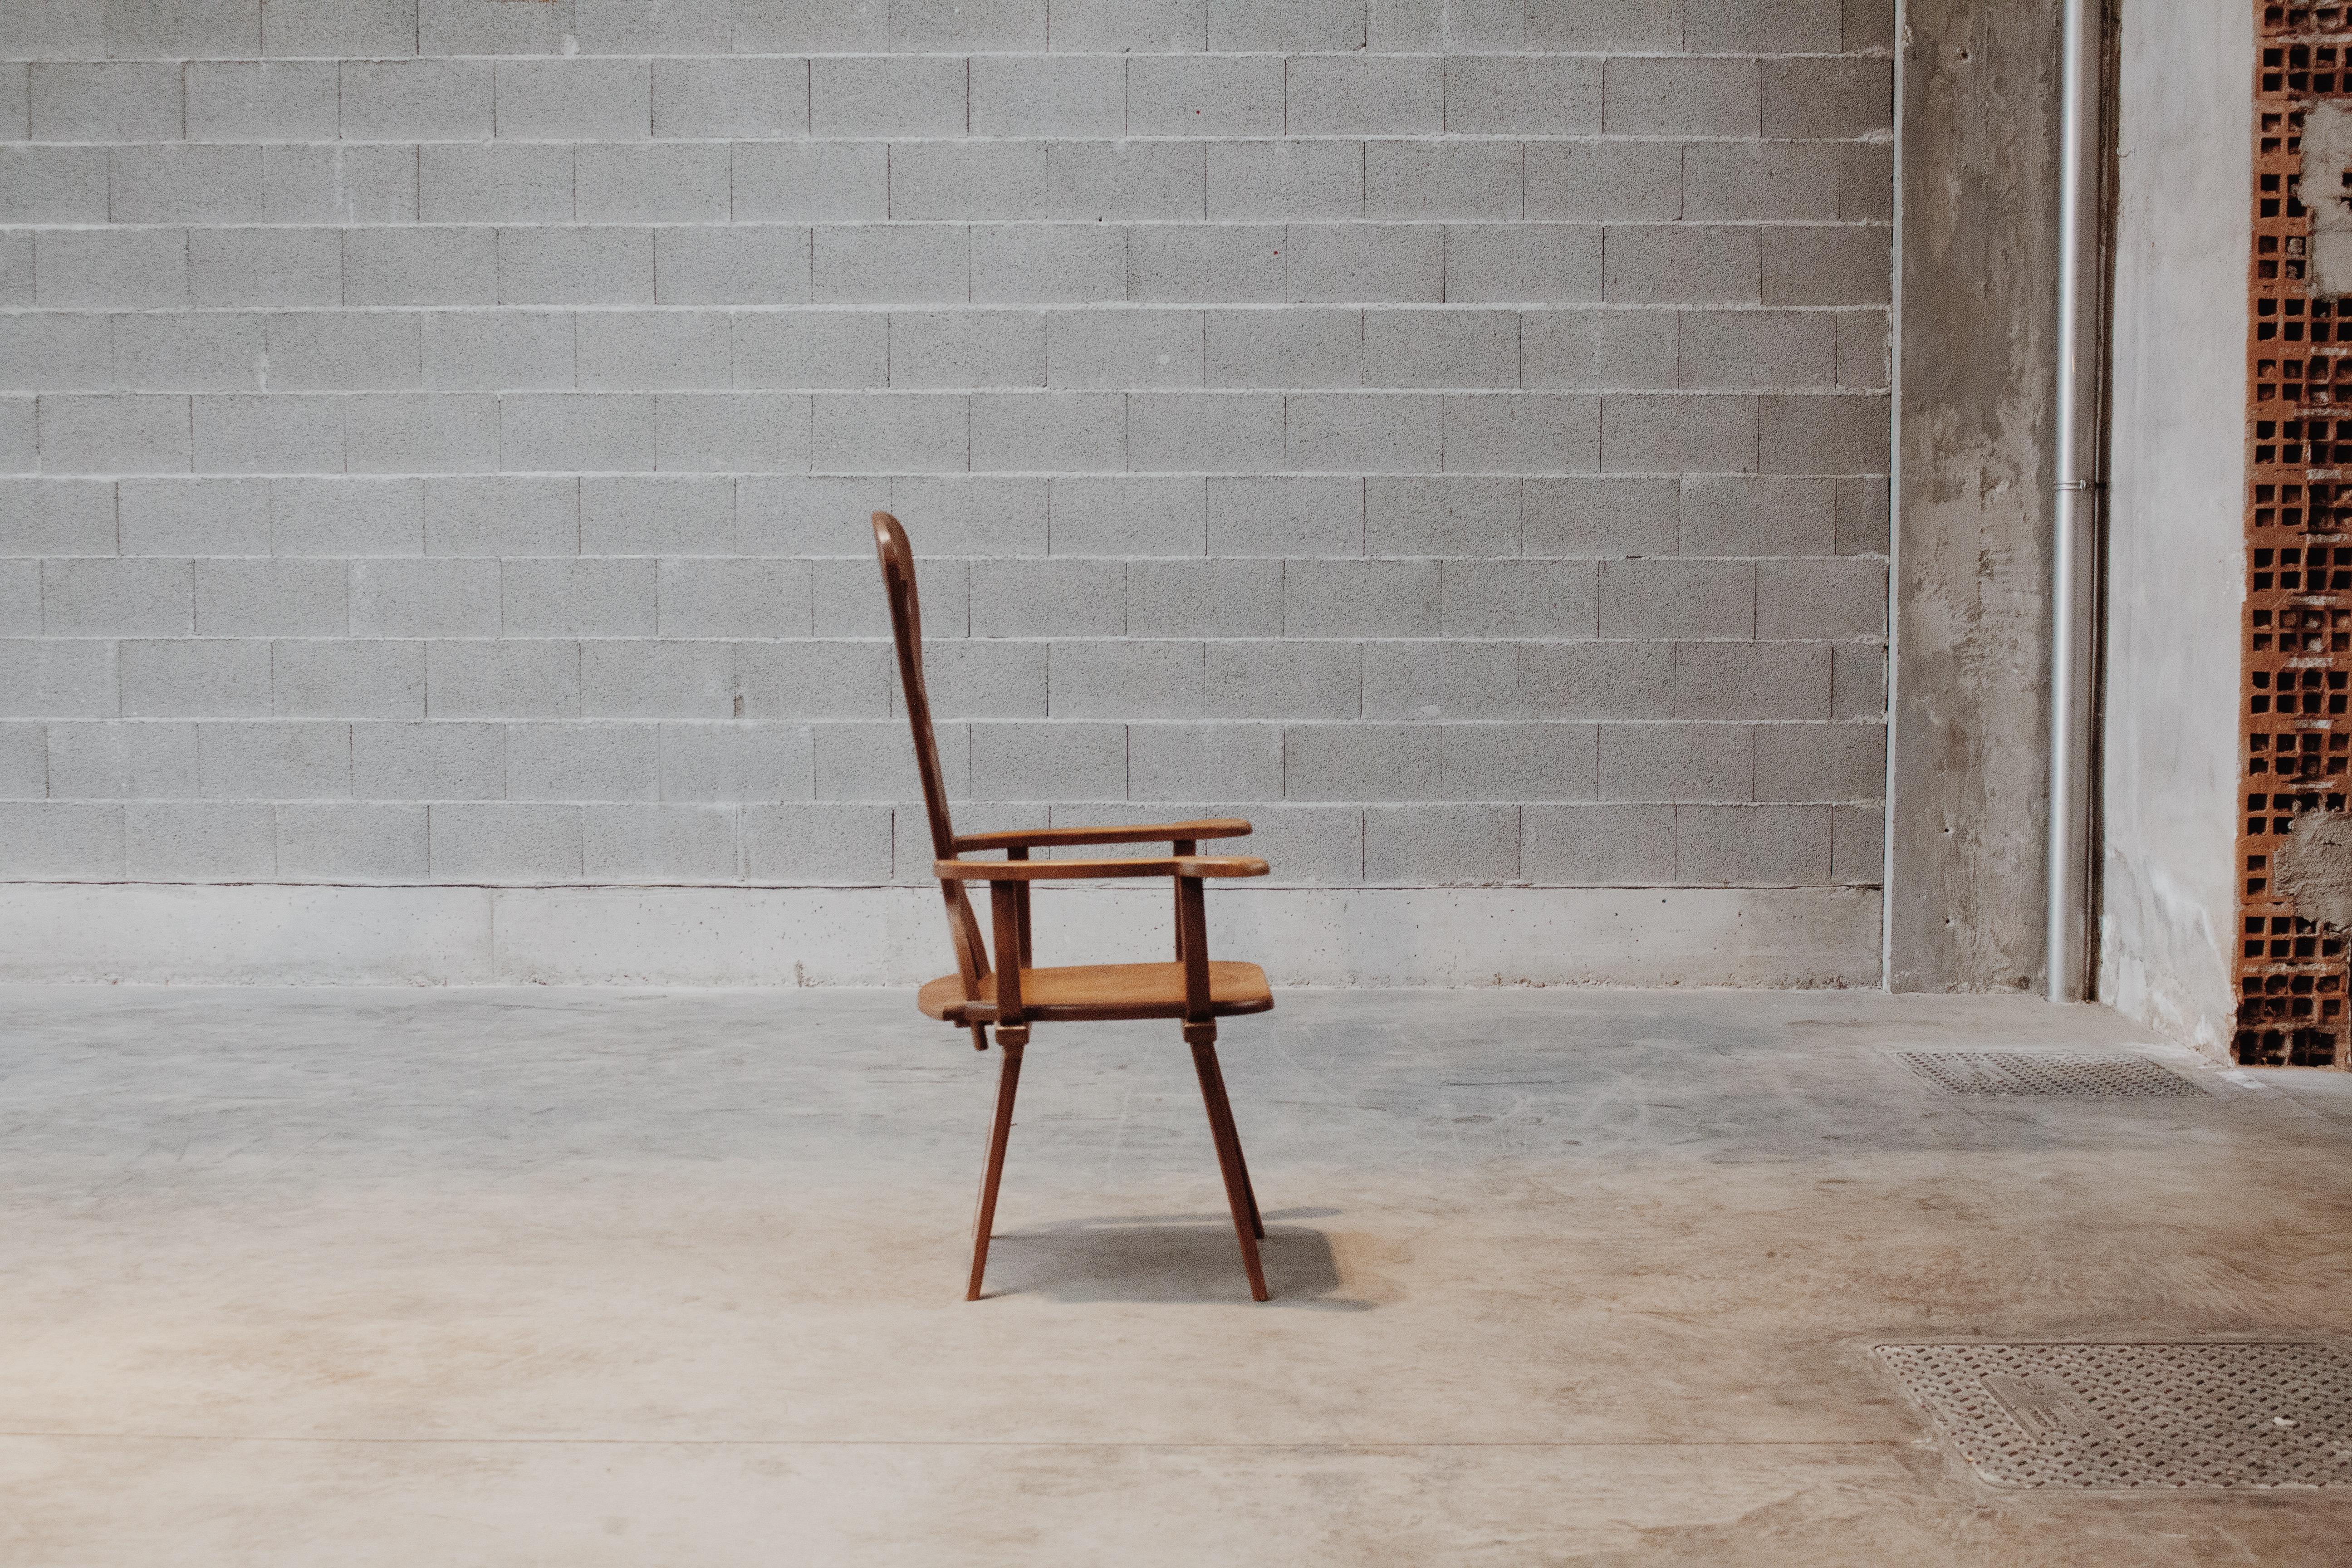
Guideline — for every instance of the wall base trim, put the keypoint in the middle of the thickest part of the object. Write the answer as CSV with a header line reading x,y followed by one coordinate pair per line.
x,y
314,935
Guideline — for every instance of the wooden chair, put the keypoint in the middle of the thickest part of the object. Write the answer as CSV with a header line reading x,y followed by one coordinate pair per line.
x,y
1015,994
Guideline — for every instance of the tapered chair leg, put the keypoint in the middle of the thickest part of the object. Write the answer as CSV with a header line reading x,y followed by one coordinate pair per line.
x,y
1000,1132
1226,1109
1229,1161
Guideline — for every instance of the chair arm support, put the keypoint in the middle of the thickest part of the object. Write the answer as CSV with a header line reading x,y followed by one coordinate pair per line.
x,y
1088,870
1154,833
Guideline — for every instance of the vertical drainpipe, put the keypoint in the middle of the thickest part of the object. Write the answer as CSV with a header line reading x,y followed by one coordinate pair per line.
x,y
2076,504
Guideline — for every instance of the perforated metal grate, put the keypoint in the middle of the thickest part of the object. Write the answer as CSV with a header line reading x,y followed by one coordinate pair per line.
x,y
2139,1417
2019,1073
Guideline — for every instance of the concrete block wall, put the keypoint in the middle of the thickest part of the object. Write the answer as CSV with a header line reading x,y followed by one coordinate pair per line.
x,y
438,434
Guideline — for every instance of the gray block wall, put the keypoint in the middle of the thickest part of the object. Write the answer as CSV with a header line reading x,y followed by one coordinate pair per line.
x,y
438,434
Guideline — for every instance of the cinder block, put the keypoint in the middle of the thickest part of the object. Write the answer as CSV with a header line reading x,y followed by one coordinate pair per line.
x,y
1364,95
184,184
1731,181
886,95
736,763
417,100
575,266
1597,349
98,596
1610,845
444,598
1660,97
632,350
1846,597
701,598
428,762
582,762
604,598
192,517
1524,433
1600,517
1210,263
1597,24
1138,517
57,517
1701,434
1864,350
1066,597
1283,679
876,761
1757,516
815,182
1117,26
1181,762
811,348
19,440
1361,761
1124,679
674,183
890,433
910,264
962,349
339,184
1426,180
978,516
730,433
674,27
90,101
54,839
170,29
56,680
1673,762
1695,599
1283,348
498,516
1365,263
146,760
1867,24
1284,516
1235,26
126,435
1204,599
497,842
1858,846
1426,679
1751,680
565,432
1594,680
1102,181
270,599
1361,598
1761,26
1684,264
789,27
133,269
569,99
650,680
421,266
1752,845
831,843
632,516
467,678
1407,25
500,350
1048,760
658,844
1019,264
1222,95
982,678
267,435
1293,180
346,517
1845,434
1821,762
1825,263
274,760
1396,432
976,24
1739,350
1537,263
346,679
154,351
265,267
1123,349
207,678
53,184
177,841
334,29
957,180
1195,432
804,516
1029,432
1518,598
1522,95
751,264
1858,682
1431,845
463,27
323,351
731,98
1440,348
265,101
361,842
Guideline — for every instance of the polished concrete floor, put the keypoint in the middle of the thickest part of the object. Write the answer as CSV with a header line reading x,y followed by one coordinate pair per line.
x,y
1561,1277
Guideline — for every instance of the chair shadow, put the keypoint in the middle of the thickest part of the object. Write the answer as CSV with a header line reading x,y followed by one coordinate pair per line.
x,y
1175,1258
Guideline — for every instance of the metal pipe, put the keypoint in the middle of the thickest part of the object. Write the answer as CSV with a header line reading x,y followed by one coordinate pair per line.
x,y
2066,914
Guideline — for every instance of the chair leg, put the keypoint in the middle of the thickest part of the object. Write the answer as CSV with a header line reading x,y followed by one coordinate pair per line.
x,y
1229,1161
1008,1082
1225,1108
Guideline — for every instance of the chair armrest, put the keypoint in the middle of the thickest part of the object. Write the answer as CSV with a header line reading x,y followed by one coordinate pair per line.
x,y
1169,832
1193,866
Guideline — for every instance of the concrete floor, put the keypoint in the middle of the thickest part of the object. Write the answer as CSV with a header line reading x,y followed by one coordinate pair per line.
x,y
523,1277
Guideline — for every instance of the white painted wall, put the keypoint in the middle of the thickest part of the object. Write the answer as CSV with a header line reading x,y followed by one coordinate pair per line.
x,y
2175,572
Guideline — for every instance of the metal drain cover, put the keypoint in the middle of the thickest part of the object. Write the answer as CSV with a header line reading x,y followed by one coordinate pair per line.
x,y
2022,1072
2139,1417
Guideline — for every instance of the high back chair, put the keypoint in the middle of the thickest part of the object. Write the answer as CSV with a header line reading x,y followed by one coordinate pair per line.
x,y
1013,994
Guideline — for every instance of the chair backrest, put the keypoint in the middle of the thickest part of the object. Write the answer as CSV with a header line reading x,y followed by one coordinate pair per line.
x,y
897,562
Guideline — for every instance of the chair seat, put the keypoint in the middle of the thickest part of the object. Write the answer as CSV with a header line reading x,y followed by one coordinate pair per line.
x,y
1110,991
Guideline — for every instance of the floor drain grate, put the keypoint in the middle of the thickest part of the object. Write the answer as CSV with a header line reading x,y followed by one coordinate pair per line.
x,y
2019,1072
2148,1417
